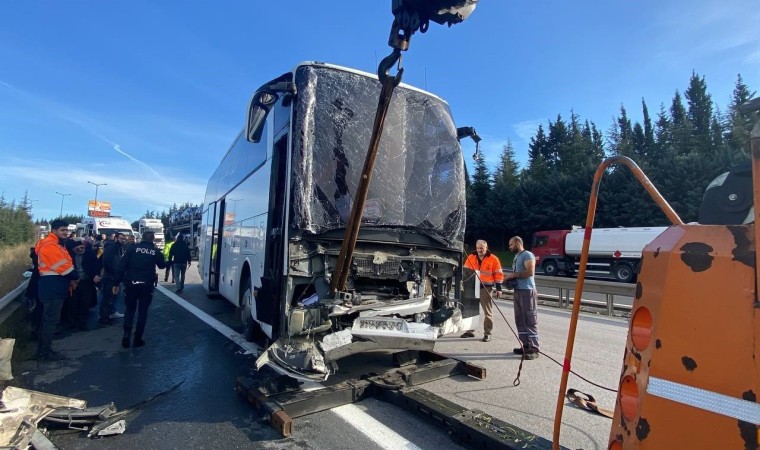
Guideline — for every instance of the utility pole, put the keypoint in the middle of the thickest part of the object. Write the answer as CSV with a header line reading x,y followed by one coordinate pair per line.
x,y
62,197
96,190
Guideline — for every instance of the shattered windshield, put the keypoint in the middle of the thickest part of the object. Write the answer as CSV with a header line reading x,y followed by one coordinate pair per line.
x,y
418,180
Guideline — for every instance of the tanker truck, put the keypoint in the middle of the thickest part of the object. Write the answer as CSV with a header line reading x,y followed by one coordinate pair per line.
x,y
612,251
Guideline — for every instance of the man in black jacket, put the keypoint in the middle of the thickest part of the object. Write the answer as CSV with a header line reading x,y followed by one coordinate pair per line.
x,y
180,257
85,296
113,250
137,270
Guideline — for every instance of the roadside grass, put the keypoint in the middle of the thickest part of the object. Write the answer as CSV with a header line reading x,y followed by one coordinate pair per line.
x,y
14,260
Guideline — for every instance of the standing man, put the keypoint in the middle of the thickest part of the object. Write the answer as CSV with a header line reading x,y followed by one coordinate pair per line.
x,y
113,251
526,298
57,276
138,272
180,257
85,296
167,248
491,277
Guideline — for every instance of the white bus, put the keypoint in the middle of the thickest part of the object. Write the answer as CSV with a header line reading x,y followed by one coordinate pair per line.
x,y
275,214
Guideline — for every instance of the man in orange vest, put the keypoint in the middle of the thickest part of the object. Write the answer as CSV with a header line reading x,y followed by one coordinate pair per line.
x,y
57,277
491,277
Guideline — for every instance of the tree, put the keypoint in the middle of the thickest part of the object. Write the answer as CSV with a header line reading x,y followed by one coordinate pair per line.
x,y
700,115
538,166
479,221
680,128
739,124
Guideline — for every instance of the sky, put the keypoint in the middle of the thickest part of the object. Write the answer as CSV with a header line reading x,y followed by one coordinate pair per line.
x,y
147,95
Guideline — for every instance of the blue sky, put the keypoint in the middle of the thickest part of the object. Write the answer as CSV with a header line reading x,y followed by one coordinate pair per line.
x,y
147,95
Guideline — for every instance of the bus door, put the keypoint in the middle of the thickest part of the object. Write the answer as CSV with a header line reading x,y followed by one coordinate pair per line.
x,y
214,242
272,283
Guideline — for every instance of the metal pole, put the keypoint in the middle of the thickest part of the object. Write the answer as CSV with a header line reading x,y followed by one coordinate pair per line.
x,y
62,197
96,191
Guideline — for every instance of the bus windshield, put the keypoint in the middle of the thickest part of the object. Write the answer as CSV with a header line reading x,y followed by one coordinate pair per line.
x,y
418,181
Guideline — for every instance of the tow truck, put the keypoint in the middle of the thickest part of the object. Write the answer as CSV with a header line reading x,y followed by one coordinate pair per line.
x,y
690,376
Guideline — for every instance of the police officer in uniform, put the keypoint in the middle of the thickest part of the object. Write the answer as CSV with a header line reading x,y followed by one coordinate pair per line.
x,y
137,270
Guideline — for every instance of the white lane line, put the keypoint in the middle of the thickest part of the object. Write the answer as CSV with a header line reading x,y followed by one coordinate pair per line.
x,y
374,430
226,331
382,436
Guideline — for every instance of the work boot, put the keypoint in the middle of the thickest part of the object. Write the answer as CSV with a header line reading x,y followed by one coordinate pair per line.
x,y
531,354
138,342
487,338
125,342
517,350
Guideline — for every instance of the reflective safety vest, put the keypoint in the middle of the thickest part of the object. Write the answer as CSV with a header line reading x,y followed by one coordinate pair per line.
x,y
52,257
167,248
489,267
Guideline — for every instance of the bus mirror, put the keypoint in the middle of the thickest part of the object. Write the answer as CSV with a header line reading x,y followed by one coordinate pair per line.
x,y
257,113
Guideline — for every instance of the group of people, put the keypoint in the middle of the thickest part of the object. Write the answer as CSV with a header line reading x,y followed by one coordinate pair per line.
x,y
521,280
68,271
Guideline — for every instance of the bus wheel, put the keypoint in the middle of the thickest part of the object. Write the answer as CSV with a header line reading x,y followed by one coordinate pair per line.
x,y
251,329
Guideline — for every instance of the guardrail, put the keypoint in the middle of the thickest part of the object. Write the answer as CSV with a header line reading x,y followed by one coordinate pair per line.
x,y
10,297
610,289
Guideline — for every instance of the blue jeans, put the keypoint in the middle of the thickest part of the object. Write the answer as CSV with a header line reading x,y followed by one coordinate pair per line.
x,y
179,275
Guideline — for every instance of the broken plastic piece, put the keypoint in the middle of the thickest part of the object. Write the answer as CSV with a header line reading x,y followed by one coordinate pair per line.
x,y
115,428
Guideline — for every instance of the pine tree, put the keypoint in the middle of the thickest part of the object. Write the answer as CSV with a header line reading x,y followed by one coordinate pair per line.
x,y
538,167
479,221
700,115
680,128
739,124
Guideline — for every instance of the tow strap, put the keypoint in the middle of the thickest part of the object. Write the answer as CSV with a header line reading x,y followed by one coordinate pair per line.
x,y
588,402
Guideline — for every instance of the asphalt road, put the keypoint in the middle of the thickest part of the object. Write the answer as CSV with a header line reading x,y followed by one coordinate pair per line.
x,y
204,412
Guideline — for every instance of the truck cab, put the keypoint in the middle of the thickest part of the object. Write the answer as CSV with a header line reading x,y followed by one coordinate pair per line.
x,y
549,249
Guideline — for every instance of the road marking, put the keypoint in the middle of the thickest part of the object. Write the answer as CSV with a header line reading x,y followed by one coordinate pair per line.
x,y
382,436
374,430
226,331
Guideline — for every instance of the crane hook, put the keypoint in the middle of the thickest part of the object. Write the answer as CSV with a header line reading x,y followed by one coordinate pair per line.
x,y
384,68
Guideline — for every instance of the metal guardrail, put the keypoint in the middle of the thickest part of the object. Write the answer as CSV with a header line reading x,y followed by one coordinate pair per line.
x,y
11,297
609,288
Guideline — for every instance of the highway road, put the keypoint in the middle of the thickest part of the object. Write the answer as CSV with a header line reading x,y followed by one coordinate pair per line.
x,y
196,346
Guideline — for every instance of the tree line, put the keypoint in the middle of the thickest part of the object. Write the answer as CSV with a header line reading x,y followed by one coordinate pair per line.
x,y
682,148
16,225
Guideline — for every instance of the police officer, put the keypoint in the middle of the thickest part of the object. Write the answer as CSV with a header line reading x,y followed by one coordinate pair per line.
x,y
137,270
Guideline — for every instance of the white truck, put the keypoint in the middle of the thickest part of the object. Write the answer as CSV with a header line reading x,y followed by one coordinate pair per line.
x,y
91,226
613,251
154,225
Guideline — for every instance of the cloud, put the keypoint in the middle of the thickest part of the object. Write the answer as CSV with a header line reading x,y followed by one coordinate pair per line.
x,y
80,120
527,128
709,28
127,187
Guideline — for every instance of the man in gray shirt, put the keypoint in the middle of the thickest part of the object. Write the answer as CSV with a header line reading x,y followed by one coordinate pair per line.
x,y
526,298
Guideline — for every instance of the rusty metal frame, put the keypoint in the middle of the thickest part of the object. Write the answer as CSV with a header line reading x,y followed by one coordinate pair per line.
x,y
666,209
279,400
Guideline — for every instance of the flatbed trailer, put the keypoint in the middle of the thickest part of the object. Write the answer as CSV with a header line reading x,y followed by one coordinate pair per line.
x,y
280,399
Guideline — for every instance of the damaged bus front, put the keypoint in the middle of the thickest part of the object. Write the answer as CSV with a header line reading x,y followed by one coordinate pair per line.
x,y
277,208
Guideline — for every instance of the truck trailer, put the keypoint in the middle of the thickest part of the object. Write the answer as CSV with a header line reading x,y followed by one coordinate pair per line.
x,y
154,225
613,251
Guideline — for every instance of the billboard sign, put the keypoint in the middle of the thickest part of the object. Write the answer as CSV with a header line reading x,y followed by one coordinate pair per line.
x,y
98,208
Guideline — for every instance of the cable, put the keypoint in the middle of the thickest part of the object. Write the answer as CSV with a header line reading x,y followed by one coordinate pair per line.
x,y
516,381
